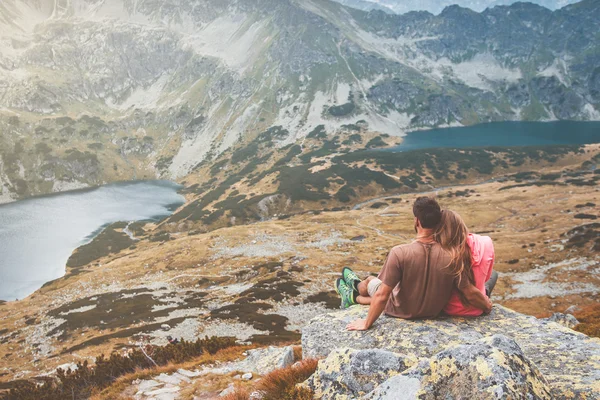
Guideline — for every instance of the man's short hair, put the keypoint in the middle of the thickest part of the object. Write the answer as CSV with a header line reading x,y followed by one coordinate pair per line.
x,y
428,212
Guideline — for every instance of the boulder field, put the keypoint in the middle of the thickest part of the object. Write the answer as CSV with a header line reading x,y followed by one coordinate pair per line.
x,y
504,355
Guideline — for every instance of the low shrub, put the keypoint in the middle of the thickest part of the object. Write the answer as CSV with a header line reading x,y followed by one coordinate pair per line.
x,y
281,384
342,110
85,380
589,321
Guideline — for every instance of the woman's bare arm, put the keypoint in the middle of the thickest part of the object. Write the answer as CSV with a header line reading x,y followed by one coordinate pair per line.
x,y
476,298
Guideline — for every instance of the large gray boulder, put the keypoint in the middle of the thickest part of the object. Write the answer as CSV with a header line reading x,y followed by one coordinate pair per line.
x,y
263,361
353,373
567,361
492,368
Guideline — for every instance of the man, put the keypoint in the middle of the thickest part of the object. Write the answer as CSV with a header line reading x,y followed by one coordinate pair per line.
x,y
414,282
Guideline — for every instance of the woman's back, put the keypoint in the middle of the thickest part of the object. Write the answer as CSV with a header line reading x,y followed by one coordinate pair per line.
x,y
482,261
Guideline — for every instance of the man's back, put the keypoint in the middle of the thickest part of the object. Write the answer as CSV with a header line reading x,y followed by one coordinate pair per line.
x,y
422,284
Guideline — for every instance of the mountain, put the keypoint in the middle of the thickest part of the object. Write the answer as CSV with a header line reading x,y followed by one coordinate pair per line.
x,y
100,90
436,6
366,5
263,282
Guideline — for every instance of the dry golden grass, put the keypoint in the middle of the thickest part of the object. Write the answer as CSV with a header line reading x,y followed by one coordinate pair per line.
x,y
241,393
513,218
281,384
118,389
297,353
589,318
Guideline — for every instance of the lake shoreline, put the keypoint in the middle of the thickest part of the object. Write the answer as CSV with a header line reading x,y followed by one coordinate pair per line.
x,y
501,134
90,188
40,234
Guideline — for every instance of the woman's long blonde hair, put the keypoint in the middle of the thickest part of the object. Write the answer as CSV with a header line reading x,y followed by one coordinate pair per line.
x,y
452,234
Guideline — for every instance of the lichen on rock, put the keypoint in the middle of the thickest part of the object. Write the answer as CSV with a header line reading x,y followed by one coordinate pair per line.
x,y
492,368
501,355
348,373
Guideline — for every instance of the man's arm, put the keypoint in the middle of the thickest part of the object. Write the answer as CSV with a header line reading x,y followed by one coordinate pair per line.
x,y
476,298
377,306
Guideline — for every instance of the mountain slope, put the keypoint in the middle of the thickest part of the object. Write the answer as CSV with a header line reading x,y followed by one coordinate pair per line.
x,y
152,88
436,6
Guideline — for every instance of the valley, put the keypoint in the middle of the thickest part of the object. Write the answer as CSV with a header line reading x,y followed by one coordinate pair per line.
x,y
290,138
262,280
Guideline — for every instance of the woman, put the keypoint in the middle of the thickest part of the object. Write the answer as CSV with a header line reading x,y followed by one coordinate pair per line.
x,y
472,259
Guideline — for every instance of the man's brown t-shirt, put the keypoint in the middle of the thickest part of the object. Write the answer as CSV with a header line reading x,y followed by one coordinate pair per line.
x,y
422,283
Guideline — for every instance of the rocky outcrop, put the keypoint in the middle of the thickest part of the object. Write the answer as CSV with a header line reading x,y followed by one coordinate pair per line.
x,y
502,355
352,373
566,320
263,361
491,368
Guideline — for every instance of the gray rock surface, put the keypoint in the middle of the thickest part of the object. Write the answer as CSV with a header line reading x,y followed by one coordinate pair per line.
x,y
566,320
491,368
263,361
353,373
569,361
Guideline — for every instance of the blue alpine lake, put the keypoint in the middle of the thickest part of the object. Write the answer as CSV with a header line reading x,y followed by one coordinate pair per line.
x,y
503,134
38,235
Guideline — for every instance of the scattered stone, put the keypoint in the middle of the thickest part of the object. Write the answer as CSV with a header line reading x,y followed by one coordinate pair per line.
x,y
255,396
566,320
229,390
166,393
174,379
188,374
165,327
247,376
145,386
263,361
359,238
572,309
557,247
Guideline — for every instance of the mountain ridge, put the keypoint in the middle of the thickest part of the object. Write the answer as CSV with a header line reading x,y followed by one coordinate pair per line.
x,y
167,85
435,7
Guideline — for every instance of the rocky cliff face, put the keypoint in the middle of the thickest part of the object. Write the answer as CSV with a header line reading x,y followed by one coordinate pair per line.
x,y
154,88
503,355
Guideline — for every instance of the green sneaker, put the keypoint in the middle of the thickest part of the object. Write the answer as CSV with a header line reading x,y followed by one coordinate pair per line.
x,y
350,278
345,292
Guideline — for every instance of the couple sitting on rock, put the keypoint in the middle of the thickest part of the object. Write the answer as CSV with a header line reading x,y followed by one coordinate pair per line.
x,y
446,269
